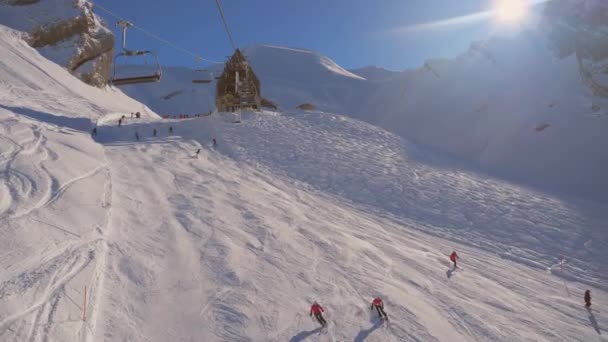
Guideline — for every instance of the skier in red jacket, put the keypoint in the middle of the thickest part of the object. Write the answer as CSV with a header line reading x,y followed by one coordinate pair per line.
x,y
454,257
318,310
379,305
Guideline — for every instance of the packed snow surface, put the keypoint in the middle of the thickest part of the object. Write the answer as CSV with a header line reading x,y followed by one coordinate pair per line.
x,y
235,242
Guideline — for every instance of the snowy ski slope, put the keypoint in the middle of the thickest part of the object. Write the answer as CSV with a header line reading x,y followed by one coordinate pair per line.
x,y
234,245
483,106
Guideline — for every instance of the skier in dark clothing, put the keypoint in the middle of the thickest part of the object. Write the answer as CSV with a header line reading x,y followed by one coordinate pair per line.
x,y
588,298
94,132
454,257
379,305
154,132
214,142
170,129
318,310
119,122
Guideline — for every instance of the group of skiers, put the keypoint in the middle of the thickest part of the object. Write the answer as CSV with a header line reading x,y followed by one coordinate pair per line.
x,y
154,132
136,115
214,144
186,116
317,310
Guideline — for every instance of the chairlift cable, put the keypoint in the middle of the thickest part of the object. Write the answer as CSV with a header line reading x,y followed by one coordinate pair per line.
x,y
154,36
219,8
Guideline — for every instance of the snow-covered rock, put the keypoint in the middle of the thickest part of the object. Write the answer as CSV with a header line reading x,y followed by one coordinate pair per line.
x,y
66,32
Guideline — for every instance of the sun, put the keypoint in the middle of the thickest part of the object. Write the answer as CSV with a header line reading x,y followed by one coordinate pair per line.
x,y
510,11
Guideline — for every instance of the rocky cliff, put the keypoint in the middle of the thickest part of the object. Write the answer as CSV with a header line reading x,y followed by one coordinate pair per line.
x,y
66,32
580,28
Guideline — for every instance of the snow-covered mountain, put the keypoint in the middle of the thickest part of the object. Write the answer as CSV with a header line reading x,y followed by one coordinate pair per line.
x,y
130,235
514,106
289,76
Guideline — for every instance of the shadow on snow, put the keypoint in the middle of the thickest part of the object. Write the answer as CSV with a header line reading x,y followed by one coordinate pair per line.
x,y
363,334
76,123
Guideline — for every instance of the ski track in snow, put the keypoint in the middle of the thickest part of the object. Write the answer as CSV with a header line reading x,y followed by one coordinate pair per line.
x,y
33,188
55,197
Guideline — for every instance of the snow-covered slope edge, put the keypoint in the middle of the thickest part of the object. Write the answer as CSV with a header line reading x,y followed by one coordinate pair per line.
x,y
55,195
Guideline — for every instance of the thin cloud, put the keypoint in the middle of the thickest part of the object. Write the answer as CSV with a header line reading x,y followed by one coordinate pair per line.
x,y
456,21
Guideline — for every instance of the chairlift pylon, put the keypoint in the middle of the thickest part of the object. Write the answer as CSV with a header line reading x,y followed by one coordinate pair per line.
x,y
126,54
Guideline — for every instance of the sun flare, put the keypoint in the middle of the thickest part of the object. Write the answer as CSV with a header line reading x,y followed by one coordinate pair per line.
x,y
510,11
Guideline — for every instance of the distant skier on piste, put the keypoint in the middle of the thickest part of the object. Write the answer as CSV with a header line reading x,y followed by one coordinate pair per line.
x,y
379,305
454,257
588,299
318,310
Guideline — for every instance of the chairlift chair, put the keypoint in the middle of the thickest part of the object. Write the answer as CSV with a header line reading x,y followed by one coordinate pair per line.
x,y
202,79
126,54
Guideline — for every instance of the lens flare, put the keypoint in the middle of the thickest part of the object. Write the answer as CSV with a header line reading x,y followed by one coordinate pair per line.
x,y
510,11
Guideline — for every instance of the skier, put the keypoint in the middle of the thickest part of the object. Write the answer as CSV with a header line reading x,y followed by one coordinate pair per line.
x,y
170,129
588,299
379,305
214,142
454,257
154,132
318,310
119,122
94,133
197,152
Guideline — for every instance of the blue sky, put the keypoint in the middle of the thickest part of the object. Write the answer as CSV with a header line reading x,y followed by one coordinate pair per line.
x,y
354,33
